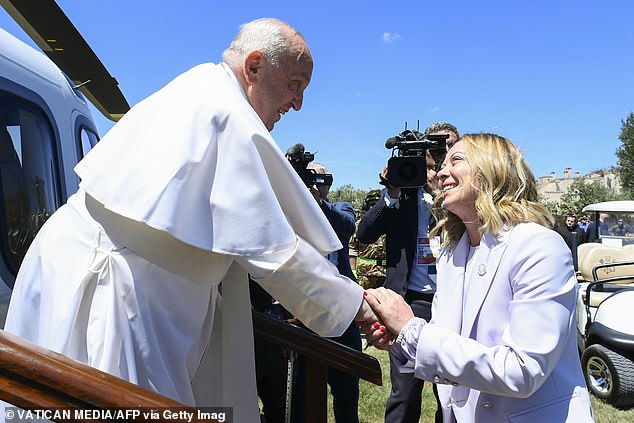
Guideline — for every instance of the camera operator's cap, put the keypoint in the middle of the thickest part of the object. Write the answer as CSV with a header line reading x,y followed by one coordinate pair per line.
x,y
373,195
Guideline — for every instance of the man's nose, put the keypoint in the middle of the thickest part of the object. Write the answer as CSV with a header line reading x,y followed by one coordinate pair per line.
x,y
297,102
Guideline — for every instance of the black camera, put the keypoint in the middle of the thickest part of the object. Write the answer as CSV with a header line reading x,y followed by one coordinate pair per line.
x,y
299,159
407,168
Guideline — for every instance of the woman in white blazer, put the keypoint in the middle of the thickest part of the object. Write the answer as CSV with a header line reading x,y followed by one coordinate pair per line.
x,y
501,344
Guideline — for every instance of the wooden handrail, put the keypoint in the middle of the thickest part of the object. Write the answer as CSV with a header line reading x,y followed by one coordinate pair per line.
x,y
320,354
314,347
33,377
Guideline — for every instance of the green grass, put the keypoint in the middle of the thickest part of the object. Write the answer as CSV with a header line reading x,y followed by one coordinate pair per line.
x,y
372,400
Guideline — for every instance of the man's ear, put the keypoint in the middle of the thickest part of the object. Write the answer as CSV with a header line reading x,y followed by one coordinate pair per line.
x,y
253,64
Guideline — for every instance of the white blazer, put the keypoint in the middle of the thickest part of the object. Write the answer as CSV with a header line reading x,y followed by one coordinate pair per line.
x,y
510,353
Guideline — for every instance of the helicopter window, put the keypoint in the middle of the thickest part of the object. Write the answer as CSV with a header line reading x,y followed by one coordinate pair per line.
x,y
88,140
28,180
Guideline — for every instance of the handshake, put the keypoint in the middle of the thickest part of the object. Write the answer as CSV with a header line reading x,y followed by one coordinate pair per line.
x,y
382,315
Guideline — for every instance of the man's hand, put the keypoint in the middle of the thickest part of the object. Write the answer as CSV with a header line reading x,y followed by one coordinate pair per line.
x,y
365,314
315,192
366,318
375,333
392,191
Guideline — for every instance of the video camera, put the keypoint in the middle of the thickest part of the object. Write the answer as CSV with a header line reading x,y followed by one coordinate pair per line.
x,y
407,168
299,159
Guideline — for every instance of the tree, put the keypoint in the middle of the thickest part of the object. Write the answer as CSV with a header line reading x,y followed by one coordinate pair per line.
x,y
553,206
625,154
349,194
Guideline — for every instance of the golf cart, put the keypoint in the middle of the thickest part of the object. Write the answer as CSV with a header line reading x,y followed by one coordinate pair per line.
x,y
605,323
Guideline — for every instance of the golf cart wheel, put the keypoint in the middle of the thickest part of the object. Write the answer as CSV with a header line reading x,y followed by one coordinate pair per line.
x,y
609,375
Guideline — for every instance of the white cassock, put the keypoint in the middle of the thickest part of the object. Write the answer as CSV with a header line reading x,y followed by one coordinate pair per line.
x,y
187,191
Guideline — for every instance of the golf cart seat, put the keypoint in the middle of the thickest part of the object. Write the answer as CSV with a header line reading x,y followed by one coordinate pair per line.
x,y
591,255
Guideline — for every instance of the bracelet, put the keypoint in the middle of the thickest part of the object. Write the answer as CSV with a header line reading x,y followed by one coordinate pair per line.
x,y
400,339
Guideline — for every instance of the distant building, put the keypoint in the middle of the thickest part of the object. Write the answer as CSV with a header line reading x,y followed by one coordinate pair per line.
x,y
552,188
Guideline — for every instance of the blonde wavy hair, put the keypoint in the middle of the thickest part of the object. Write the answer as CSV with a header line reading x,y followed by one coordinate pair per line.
x,y
506,186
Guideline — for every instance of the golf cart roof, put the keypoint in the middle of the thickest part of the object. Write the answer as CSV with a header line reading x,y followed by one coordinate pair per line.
x,y
611,206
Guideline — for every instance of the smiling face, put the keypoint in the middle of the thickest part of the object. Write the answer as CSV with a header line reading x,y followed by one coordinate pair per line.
x,y
274,90
457,184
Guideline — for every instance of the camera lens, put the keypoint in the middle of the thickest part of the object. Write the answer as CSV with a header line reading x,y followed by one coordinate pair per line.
x,y
407,171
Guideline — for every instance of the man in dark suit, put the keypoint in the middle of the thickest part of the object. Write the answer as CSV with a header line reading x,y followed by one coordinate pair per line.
x,y
571,232
404,216
591,232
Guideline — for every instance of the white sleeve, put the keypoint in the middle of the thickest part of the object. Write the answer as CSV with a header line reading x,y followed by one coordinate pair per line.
x,y
404,348
260,267
309,286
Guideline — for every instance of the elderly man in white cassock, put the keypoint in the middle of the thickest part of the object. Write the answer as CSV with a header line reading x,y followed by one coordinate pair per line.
x,y
187,191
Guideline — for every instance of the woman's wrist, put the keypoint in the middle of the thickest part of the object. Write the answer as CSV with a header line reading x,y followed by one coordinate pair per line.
x,y
407,341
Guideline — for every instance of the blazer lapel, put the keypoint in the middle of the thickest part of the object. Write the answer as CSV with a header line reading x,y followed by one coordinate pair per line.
x,y
451,267
487,262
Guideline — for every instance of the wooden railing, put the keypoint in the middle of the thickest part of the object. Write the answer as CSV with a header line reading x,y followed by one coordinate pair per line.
x,y
32,377
320,354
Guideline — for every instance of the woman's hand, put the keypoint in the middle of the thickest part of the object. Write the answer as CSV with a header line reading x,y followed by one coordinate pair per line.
x,y
390,307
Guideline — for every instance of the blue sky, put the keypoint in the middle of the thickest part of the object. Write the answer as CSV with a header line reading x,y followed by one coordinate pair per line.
x,y
555,77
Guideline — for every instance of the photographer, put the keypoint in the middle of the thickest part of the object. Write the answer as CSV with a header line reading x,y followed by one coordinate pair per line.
x,y
404,216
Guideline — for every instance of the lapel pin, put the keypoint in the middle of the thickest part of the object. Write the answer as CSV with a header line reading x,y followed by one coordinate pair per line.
x,y
482,269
